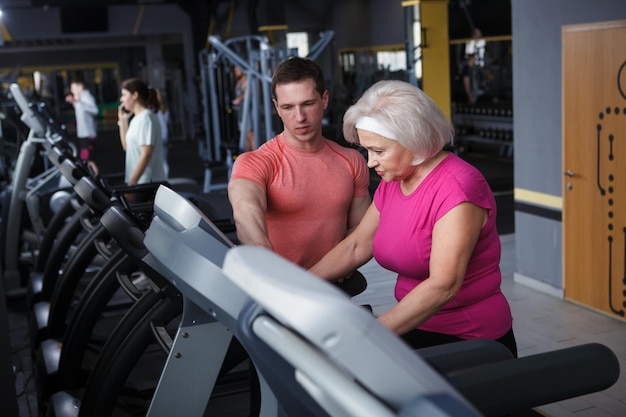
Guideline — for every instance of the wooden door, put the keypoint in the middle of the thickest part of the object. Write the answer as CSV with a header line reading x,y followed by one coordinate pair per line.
x,y
594,165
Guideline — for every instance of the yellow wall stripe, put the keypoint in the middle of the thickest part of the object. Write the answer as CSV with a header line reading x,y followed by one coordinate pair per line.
x,y
268,28
6,35
379,48
436,53
485,38
536,198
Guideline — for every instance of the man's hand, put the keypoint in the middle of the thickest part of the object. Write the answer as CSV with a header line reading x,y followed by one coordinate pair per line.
x,y
345,278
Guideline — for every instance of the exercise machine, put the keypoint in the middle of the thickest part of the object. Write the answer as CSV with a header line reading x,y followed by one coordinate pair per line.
x,y
182,241
321,355
349,364
14,197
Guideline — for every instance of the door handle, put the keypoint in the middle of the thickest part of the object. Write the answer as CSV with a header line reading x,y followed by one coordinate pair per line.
x,y
569,173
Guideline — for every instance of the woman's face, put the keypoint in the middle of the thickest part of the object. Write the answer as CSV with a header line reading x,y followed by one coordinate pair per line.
x,y
390,160
128,100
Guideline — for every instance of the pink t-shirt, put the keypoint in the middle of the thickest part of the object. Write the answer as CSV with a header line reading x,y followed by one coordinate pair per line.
x,y
309,194
404,238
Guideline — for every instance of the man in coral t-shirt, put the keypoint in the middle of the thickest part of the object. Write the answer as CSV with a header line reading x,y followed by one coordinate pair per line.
x,y
299,194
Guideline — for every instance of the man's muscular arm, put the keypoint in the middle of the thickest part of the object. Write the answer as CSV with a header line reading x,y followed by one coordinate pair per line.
x,y
249,202
357,210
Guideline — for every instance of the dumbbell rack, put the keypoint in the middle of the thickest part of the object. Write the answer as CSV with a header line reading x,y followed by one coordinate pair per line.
x,y
484,124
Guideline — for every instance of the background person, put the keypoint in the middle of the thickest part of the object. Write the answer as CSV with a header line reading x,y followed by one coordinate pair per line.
x,y
433,221
163,114
141,136
86,110
241,85
470,80
477,45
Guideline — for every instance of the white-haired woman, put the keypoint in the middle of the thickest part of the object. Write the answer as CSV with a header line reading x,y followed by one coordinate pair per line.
x,y
433,221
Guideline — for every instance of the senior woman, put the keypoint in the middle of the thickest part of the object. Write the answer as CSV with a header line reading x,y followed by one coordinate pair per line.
x,y
433,221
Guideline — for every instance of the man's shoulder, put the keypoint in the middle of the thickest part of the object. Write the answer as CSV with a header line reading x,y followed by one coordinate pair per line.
x,y
252,163
338,147
269,149
346,152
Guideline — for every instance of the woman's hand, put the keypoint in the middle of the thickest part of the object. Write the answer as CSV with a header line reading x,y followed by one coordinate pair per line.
x,y
122,114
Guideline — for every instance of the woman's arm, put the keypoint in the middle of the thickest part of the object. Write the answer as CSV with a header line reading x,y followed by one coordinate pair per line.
x,y
144,159
453,241
352,252
243,85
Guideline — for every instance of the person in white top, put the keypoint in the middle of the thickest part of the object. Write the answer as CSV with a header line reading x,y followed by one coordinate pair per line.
x,y
140,136
163,114
86,111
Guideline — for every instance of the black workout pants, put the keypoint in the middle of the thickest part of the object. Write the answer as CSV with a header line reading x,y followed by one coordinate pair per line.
x,y
418,339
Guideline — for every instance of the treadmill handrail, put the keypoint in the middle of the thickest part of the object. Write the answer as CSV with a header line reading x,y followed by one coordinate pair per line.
x,y
326,317
341,394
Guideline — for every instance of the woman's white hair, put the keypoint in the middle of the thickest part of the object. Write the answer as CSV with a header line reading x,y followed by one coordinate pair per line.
x,y
418,124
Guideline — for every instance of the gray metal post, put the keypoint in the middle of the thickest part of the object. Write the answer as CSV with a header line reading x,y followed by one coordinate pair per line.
x,y
14,219
217,139
194,362
410,43
204,69
265,56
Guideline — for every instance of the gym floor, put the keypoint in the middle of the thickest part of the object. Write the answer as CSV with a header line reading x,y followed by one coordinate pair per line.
x,y
541,322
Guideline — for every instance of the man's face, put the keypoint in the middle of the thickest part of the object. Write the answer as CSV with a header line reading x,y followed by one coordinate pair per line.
x,y
301,109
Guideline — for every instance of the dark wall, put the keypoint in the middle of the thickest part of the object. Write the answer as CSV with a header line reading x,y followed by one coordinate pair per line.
x,y
493,17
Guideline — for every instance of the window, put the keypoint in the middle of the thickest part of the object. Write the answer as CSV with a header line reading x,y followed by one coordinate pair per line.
x,y
391,60
298,41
